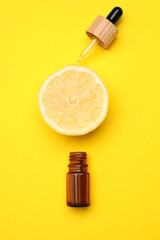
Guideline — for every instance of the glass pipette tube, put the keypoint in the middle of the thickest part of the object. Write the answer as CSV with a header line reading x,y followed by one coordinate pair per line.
x,y
88,50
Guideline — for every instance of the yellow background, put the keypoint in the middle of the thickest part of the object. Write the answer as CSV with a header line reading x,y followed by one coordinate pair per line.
x,y
38,38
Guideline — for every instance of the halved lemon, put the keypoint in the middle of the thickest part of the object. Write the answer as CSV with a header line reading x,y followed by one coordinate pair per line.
x,y
73,100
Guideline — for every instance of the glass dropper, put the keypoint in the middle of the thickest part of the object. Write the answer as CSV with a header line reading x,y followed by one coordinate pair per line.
x,y
113,17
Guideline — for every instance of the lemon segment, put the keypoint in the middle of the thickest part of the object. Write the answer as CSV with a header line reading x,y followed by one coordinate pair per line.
x,y
73,100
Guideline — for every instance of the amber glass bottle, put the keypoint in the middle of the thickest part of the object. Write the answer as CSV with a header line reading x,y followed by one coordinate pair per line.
x,y
78,181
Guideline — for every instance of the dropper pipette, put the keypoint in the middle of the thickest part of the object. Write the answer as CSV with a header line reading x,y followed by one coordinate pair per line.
x,y
102,31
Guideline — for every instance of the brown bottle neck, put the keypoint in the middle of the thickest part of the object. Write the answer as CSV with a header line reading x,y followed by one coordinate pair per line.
x,y
78,162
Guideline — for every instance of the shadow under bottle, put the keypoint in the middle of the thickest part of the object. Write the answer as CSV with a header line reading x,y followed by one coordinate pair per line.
x,y
78,181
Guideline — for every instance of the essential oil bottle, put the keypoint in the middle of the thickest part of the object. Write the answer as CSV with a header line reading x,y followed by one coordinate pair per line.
x,y
78,180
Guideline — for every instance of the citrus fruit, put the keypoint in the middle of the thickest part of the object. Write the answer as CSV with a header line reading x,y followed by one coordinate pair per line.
x,y
73,100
